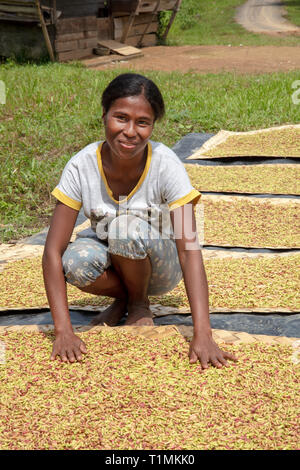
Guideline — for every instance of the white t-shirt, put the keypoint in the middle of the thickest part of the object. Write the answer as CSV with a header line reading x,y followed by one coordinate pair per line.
x,y
163,186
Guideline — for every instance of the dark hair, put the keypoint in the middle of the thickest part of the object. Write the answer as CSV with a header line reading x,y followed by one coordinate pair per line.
x,y
133,84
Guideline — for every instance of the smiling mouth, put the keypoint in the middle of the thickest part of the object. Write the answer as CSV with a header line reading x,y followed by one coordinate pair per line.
x,y
128,145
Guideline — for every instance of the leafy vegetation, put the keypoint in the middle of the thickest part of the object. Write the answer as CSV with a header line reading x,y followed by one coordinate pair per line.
x,y
213,22
293,11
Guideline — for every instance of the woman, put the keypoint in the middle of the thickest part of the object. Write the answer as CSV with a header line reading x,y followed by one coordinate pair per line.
x,y
143,237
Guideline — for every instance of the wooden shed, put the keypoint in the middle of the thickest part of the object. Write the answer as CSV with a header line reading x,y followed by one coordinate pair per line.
x,y
72,29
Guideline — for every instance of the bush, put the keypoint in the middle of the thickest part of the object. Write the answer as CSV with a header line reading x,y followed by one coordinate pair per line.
x,y
187,17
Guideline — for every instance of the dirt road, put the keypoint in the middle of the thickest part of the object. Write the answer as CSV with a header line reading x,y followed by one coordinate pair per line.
x,y
264,16
203,59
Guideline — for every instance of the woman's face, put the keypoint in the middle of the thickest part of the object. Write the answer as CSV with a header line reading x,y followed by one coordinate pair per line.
x,y
128,124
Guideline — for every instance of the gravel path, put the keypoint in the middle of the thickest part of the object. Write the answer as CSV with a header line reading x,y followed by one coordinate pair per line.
x,y
264,16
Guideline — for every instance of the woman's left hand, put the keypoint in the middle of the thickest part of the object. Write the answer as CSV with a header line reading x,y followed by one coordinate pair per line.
x,y
204,349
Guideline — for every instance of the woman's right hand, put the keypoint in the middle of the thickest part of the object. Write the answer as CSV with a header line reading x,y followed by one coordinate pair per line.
x,y
68,346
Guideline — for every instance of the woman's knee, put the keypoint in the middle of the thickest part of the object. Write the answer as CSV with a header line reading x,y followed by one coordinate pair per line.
x,y
83,263
161,284
166,268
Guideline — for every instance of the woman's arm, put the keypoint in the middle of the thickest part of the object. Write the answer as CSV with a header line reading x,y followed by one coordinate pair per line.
x,y
202,346
67,345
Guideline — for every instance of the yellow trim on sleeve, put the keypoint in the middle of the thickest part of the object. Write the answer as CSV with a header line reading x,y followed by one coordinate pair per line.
x,y
194,196
141,180
66,199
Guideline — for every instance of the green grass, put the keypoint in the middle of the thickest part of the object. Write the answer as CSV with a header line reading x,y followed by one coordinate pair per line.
x,y
212,22
293,11
54,110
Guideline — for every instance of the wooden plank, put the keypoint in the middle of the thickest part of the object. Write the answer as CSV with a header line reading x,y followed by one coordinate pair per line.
x,y
104,34
103,23
103,60
20,2
78,8
90,23
104,28
149,6
118,47
91,34
123,5
143,18
136,30
23,18
146,6
87,43
118,14
148,40
76,28
74,25
61,46
69,25
74,36
18,9
71,36
19,16
81,43
120,23
82,3
74,55
167,5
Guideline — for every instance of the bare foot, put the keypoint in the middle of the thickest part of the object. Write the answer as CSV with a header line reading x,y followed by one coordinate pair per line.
x,y
139,314
112,315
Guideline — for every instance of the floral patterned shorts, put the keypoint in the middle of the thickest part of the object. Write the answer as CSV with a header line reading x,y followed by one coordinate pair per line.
x,y
131,237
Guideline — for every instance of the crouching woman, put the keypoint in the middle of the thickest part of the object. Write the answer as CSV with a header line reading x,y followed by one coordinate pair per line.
x,y
127,255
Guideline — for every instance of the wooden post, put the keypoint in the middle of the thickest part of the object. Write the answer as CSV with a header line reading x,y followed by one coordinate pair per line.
x,y
130,22
111,20
147,26
175,10
54,12
45,31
